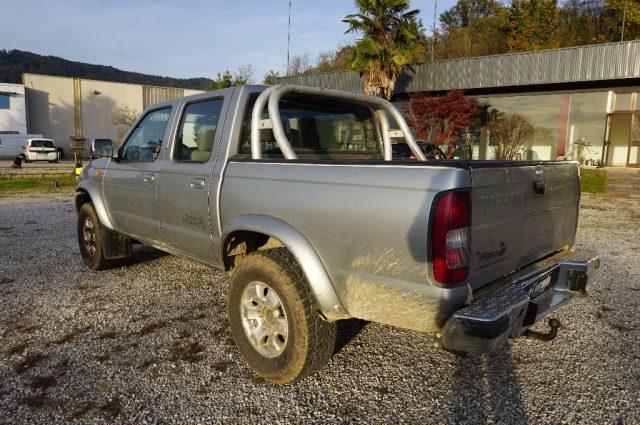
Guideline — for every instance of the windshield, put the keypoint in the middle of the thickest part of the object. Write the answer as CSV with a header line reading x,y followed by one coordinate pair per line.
x,y
42,144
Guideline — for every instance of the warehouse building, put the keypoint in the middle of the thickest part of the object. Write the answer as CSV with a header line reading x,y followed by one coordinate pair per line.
x,y
13,113
583,101
72,111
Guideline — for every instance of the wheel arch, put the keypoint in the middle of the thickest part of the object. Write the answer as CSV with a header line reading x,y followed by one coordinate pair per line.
x,y
88,192
272,232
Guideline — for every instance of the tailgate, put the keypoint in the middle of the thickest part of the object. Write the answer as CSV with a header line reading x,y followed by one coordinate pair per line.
x,y
519,214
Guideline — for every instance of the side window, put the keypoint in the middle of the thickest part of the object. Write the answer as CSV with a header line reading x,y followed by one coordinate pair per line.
x,y
197,131
145,141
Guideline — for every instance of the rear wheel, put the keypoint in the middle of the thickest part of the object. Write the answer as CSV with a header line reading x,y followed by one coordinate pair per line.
x,y
90,238
273,322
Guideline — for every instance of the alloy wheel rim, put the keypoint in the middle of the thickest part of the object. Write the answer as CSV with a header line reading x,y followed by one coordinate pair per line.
x,y
264,319
89,236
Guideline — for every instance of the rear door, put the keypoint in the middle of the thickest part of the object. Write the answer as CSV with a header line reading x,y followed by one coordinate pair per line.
x,y
520,213
186,183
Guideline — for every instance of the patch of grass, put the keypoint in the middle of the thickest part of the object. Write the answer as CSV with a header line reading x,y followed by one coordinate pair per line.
x,y
68,337
27,328
80,410
191,352
148,362
152,327
108,335
28,362
42,381
15,349
38,183
220,367
112,407
593,180
34,401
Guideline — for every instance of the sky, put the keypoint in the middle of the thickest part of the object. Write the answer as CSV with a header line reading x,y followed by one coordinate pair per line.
x,y
189,38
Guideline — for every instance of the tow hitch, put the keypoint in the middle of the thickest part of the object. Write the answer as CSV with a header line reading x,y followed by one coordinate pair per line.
x,y
554,324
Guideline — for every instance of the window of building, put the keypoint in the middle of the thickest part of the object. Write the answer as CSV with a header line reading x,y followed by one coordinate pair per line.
x,y
145,141
585,131
546,112
5,102
319,129
197,131
625,101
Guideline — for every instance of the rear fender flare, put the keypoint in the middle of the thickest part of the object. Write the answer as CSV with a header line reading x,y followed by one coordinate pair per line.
x,y
324,294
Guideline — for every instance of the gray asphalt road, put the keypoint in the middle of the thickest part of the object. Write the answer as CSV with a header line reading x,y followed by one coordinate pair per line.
x,y
148,342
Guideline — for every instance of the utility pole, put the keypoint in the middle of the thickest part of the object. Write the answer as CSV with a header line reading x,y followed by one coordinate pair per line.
x,y
433,32
289,39
624,18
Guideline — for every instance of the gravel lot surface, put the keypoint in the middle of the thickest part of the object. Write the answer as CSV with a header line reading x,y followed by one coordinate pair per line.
x,y
148,342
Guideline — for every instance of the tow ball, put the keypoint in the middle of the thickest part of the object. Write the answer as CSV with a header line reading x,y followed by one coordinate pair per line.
x,y
554,324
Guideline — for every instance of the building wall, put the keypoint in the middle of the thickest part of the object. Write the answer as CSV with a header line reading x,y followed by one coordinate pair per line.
x,y
57,92
62,108
100,102
15,117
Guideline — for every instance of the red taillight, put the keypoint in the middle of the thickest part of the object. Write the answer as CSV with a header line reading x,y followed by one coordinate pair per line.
x,y
450,241
30,149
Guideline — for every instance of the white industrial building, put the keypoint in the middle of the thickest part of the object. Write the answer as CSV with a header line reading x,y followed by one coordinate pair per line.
x,y
13,111
72,111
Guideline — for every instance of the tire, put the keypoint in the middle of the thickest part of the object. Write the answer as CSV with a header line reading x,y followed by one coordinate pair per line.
x,y
309,341
92,253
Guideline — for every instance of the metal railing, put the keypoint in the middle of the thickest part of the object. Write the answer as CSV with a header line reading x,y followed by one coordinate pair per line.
x,y
272,95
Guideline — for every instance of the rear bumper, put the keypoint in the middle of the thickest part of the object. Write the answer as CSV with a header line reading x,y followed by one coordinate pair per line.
x,y
509,306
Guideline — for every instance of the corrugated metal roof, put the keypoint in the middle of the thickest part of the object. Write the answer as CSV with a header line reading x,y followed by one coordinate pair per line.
x,y
344,80
601,62
152,95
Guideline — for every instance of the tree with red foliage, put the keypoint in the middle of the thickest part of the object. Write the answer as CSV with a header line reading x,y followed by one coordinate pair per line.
x,y
446,116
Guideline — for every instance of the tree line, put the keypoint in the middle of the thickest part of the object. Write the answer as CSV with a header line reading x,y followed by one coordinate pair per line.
x,y
13,63
391,30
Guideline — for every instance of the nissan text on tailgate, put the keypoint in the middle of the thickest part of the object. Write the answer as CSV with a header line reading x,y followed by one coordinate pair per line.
x,y
294,191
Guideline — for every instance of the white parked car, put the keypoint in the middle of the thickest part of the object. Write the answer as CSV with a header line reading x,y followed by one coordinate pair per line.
x,y
41,150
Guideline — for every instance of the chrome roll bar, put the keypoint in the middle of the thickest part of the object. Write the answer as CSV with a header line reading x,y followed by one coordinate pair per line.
x,y
273,94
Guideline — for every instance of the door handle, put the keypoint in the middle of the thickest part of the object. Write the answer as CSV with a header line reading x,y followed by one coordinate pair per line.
x,y
149,177
197,183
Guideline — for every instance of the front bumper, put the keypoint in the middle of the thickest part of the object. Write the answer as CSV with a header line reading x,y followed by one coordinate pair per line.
x,y
509,306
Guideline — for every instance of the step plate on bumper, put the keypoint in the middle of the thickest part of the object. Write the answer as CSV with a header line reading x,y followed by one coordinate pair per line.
x,y
509,306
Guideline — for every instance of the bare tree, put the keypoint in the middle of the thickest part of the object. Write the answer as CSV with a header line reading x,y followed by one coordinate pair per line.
x,y
508,134
246,73
299,64
124,118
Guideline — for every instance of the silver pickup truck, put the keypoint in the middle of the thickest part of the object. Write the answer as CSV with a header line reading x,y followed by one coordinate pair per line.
x,y
294,190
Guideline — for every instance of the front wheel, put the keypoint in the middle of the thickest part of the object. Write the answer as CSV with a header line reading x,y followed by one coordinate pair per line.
x,y
90,238
273,322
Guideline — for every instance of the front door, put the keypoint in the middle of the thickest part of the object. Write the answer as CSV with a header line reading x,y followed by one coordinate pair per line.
x,y
186,179
130,181
618,138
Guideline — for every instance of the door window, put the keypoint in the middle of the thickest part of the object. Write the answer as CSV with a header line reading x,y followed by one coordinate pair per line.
x,y
197,131
145,141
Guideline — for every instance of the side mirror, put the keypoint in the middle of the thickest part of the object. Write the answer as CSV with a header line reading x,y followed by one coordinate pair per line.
x,y
102,148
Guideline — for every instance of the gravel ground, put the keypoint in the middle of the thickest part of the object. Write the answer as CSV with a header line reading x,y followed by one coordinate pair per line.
x,y
148,342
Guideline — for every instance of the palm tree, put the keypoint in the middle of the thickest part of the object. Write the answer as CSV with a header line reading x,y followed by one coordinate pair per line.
x,y
390,34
